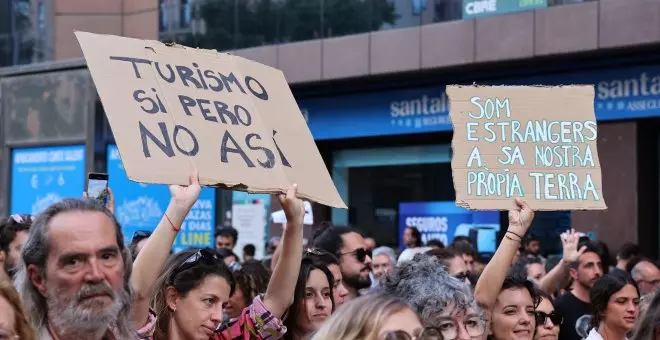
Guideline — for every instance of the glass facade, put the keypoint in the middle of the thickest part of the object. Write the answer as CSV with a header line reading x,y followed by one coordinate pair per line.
x,y
235,24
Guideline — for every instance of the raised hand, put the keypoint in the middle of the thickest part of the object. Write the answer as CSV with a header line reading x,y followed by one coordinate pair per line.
x,y
520,218
186,196
294,209
569,241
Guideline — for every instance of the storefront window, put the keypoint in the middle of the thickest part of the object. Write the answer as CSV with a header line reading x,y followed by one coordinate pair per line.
x,y
374,182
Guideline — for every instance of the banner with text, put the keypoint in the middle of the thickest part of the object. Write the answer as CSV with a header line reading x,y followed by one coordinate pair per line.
x,y
481,8
534,142
444,221
43,176
174,108
139,207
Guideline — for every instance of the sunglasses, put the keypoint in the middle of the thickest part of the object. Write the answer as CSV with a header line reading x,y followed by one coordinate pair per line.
x,y
360,254
542,318
316,252
462,276
204,255
20,218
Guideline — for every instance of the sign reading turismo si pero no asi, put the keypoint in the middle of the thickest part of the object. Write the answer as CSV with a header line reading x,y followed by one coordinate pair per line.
x,y
175,108
533,142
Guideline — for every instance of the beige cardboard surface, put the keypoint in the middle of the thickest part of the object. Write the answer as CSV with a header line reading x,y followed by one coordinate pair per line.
x,y
233,119
534,142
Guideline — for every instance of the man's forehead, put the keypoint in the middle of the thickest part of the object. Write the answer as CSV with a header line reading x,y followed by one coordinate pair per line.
x,y
589,256
382,258
92,227
352,240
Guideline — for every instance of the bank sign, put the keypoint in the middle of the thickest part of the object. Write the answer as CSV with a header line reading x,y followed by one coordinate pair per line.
x,y
480,8
444,221
139,207
43,176
625,93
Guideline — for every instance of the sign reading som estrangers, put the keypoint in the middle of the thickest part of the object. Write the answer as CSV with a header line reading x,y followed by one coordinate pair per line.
x,y
533,142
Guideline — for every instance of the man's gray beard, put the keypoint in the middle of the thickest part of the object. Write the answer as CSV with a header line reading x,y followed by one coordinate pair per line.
x,y
87,320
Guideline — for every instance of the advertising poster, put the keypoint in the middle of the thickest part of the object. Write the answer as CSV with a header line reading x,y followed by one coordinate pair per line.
x,y
249,218
444,221
43,176
141,206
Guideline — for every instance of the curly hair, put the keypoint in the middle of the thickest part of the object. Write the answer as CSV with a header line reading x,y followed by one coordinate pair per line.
x,y
428,288
252,279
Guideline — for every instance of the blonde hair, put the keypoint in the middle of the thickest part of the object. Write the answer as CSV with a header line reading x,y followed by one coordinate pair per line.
x,y
360,319
21,323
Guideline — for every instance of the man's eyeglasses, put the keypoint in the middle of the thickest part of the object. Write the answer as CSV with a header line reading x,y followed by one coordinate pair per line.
x,y
462,276
205,256
542,318
360,254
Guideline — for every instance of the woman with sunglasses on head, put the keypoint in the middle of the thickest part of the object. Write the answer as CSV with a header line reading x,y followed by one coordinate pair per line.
x,y
547,320
339,291
260,320
615,303
313,301
375,317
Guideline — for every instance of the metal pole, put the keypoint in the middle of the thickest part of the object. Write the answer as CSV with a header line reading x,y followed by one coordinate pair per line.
x,y
14,33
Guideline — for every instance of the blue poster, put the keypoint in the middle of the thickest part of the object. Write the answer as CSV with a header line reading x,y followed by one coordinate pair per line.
x,y
623,93
43,176
141,206
444,221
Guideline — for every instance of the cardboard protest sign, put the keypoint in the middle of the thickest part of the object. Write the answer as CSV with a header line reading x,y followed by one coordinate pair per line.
x,y
174,108
533,142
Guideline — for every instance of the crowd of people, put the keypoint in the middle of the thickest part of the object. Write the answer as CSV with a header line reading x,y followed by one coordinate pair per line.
x,y
68,274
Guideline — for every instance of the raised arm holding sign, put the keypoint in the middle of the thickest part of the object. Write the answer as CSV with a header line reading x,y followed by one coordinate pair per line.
x,y
174,108
533,142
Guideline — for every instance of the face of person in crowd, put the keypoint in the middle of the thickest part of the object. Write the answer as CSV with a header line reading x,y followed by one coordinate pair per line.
x,y
546,329
317,303
622,309
513,315
533,247
589,270
15,249
535,272
460,324
7,320
469,262
237,302
224,242
650,277
84,273
382,266
404,320
339,291
198,313
408,238
457,268
354,267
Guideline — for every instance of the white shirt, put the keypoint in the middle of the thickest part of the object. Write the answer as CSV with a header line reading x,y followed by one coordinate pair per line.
x,y
594,335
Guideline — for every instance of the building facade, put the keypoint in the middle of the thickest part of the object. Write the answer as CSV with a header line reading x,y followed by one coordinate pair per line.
x,y
370,78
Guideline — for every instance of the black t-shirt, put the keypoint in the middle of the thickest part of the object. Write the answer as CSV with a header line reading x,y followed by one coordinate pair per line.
x,y
577,314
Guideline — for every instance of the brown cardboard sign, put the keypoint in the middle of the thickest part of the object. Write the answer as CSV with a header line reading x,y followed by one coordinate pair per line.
x,y
175,108
533,142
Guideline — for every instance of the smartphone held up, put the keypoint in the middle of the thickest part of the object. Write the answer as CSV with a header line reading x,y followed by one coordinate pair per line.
x,y
97,187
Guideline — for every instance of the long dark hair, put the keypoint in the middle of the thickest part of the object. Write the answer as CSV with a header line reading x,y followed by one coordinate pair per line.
x,y
183,282
603,290
252,279
307,265
417,236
